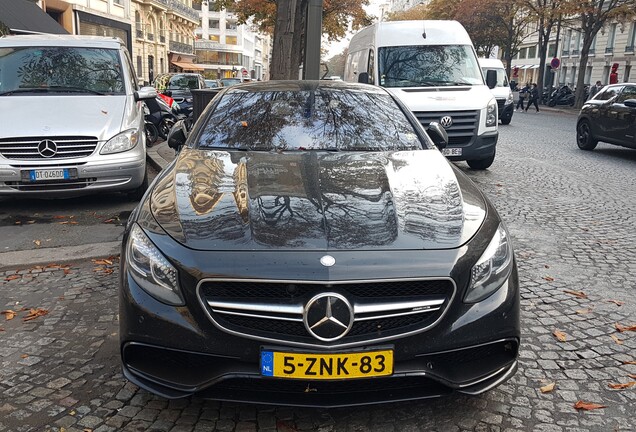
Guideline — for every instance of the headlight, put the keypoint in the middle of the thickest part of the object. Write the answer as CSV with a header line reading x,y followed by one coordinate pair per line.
x,y
492,269
151,270
121,143
188,100
510,99
491,114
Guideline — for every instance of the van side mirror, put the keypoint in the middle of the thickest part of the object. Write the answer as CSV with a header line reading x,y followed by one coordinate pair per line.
x,y
491,79
438,134
363,77
177,135
145,93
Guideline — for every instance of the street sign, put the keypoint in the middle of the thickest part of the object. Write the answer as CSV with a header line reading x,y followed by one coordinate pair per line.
x,y
555,63
244,72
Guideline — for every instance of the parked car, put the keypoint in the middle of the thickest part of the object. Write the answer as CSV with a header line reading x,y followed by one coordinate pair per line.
x,y
178,86
71,120
228,82
610,116
213,83
311,246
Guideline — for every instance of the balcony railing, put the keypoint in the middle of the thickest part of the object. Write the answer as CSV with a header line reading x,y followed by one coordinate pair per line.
x,y
592,51
162,2
609,50
184,10
180,47
575,52
565,53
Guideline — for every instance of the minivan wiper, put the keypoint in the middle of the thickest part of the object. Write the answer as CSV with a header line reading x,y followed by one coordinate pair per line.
x,y
54,88
73,89
25,90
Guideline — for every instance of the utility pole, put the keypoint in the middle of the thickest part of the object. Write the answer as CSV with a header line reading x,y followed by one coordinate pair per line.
x,y
313,33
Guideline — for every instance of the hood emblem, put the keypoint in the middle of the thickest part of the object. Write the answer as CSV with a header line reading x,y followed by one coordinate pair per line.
x,y
327,260
446,121
47,148
328,316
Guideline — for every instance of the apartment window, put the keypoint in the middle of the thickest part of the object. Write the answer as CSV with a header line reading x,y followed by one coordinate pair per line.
x,y
196,4
231,40
564,73
214,24
139,65
628,69
230,25
631,39
119,2
532,52
611,39
566,42
161,66
577,43
588,75
552,50
593,46
523,52
606,72
215,38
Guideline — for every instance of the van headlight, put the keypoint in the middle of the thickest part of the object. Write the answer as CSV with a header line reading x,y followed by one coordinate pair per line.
x,y
491,113
510,99
492,269
122,142
151,270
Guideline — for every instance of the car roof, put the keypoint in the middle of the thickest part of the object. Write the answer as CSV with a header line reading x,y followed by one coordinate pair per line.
x,y
62,40
302,85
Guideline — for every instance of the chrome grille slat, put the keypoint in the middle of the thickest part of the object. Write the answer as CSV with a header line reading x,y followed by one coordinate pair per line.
x,y
67,147
464,127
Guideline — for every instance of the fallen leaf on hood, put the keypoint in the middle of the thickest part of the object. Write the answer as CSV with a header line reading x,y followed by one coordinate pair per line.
x,y
34,313
617,340
560,335
37,242
579,294
8,314
547,388
622,328
548,278
17,223
580,405
616,302
60,217
12,277
109,221
584,311
30,222
621,386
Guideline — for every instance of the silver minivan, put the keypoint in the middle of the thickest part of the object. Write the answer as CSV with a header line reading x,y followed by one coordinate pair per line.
x,y
71,117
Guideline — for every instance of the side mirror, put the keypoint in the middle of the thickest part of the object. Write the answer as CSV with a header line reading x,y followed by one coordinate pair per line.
x,y
630,103
167,92
438,134
145,93
363,77
177,135
491,79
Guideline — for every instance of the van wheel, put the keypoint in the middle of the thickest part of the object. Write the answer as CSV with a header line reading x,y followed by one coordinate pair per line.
x,y
137,193
506,121
481,164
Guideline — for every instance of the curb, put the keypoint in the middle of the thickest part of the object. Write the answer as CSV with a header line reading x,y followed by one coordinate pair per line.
x,y
31,257
155,159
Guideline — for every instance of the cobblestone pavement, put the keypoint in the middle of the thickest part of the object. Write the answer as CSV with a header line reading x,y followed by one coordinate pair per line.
x,y
572,217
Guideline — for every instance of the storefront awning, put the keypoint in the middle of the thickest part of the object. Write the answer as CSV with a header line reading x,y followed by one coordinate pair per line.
x,y
187,66
533,67
23,17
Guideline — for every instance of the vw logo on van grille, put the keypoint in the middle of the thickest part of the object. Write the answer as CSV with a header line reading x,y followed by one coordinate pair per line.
x,y
328,316
446,121
47,148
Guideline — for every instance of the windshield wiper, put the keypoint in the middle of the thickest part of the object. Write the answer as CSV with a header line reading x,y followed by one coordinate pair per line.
x,y
49,89
25,90
74,89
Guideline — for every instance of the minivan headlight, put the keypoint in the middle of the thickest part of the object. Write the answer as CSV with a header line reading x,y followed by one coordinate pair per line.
x,y
151,270
492,269
122,142
491,113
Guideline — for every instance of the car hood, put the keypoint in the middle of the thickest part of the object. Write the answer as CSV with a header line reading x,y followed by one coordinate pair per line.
x,y
443,98
63,115
220,200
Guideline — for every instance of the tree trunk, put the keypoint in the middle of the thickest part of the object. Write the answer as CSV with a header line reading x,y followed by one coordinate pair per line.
x,y
579,94
298,44
281,66
544,41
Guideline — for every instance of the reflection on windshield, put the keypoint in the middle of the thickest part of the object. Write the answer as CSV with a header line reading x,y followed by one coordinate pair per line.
x,y
322,119
60,69
428,65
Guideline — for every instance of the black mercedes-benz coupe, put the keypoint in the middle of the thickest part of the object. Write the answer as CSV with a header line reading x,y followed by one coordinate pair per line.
x,y
310,245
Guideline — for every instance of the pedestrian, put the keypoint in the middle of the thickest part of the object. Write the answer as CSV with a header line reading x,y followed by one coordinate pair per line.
x,y
595,88
613,78
522,95
533,97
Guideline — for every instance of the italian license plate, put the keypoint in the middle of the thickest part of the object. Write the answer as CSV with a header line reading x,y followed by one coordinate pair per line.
x,y
49,174
326,366
452,151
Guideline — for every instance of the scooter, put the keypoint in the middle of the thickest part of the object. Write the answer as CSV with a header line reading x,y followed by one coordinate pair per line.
x,y
561,96
160,115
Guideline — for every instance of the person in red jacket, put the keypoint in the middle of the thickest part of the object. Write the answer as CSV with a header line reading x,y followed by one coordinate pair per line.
x,y
613,78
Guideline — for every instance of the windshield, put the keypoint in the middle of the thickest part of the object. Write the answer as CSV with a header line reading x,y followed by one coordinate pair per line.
x,y
322,119
43,70
502,79
428,65
228,82
183,82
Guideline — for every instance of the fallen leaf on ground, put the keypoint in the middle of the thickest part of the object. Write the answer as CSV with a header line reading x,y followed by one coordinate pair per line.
x,y
632,375
103,262
109,221
18,223
579,294
34,313
616,339
580,405
37,242
616,302
622,328
1,329
8,314
546,266
24,356
560,335
621,386
548,278
12,277
584,311
67,271
547,388
60,217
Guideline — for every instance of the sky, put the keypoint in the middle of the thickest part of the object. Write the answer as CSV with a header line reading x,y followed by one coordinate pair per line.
x,y
334,48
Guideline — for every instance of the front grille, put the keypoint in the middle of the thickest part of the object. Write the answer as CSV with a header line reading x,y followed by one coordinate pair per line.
x,y
54,185
68,147
463,129
274,310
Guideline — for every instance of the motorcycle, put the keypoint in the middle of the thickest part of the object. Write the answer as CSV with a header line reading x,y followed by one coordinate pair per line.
x,y
161,115
561,96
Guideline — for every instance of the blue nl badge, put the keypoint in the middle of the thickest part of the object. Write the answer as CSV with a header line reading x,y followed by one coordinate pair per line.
x,y
267,363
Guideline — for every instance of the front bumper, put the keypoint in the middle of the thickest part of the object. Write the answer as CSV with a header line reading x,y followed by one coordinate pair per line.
x,y
480,147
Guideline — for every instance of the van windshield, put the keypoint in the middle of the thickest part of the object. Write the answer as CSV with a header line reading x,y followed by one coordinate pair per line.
x,y
428,65
502,79
55,70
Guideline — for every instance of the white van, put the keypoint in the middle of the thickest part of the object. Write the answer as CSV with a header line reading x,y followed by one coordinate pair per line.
x,y
502,91
72,117
432,67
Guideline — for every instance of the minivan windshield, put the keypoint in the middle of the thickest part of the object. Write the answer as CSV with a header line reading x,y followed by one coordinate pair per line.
x,y
502,79
428,65
55,70
320,119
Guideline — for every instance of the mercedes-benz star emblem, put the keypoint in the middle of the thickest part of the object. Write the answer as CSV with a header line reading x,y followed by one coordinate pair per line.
x,y
47,148
328,316
327,260
446,121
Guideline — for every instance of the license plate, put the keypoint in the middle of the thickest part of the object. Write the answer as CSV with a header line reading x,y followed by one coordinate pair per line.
x,y
49,174
327,366
452,151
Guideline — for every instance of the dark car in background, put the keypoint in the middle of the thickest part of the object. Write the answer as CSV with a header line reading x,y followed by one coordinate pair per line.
x,y
178,86
610,116
311,246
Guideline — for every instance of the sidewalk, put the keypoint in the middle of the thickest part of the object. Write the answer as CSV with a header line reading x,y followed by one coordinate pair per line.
x,y
160,155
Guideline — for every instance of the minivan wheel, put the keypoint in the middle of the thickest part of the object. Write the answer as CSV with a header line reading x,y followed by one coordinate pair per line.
x,y
481,164
584,137
137,193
